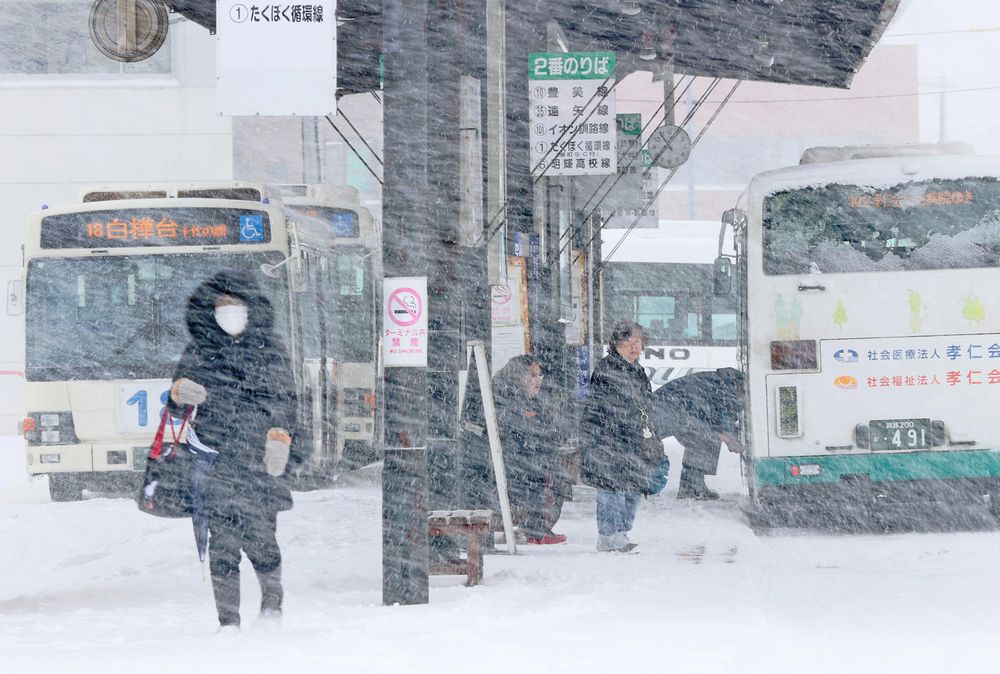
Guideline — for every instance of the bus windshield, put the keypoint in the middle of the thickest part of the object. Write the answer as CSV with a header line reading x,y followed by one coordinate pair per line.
x,y
122,317
836,228
339,297
674,302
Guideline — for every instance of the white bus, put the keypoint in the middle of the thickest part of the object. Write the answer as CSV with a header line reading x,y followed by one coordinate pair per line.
x,y
662,279
871,329
107,283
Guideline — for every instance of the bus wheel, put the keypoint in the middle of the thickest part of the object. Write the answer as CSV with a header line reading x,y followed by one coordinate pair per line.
x,y
358,454
65,487
994,495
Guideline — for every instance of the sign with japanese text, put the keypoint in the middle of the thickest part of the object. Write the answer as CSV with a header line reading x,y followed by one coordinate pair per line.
x,y
941,364
404,322
629,202
141,227
572,113
276,58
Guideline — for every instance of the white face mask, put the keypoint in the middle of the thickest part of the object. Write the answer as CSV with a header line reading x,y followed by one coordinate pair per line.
x,y
232,318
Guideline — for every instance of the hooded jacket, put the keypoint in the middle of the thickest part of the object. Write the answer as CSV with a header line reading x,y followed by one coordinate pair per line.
x,y
612,426
250,389
699,405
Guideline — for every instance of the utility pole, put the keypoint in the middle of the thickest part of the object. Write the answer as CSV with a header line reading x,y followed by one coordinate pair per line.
x,y
434,63
406,228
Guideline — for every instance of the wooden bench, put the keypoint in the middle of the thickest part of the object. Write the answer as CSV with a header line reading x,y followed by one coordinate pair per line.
x,y
474,525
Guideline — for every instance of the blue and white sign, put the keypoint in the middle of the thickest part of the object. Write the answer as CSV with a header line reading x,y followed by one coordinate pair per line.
x,y
251,228
139,406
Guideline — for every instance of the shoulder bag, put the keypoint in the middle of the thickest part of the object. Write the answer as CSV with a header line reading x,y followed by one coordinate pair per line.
x,y
166,488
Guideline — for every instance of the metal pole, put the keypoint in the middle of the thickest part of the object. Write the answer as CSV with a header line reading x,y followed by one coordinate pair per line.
x,y
496,130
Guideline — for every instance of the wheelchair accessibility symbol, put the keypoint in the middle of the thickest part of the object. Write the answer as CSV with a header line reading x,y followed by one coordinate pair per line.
x,y
251,228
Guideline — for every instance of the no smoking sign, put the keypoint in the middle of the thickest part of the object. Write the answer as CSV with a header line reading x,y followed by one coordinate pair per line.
x,y
404,322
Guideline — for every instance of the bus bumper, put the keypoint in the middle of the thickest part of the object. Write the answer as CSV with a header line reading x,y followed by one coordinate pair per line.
x,y
85,458
859,483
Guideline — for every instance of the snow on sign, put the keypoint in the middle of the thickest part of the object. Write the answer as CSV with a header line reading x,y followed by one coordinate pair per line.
x,y
404,322
276,58
572,114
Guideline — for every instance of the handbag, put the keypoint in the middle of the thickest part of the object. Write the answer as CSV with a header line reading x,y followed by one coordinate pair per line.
x,y
166,486
655,462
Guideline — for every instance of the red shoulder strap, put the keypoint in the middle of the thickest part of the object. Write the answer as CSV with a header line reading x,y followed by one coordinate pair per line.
x,y
157,447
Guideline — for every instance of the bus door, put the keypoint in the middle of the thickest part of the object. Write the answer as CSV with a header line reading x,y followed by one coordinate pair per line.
x,y
315,327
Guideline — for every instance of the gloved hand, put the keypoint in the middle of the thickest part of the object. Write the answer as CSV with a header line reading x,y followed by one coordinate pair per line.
x,y
276,450
187,392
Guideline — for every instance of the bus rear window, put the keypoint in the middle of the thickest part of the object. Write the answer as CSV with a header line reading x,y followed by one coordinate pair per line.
x,y
839,228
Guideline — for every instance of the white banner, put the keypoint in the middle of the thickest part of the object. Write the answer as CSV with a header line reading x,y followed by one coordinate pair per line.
x,y
572,113
276,59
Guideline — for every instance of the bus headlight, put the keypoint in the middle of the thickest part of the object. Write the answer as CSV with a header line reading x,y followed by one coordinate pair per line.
x,y
49,428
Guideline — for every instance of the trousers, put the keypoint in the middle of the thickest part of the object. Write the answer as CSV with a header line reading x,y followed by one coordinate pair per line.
x,y
232,531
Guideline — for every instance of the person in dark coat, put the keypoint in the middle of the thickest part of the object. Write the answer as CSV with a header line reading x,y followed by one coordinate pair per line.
x,y
533,469
702,411
615,426
236,374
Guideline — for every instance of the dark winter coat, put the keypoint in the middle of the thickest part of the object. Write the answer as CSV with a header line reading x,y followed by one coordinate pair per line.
x,y
612,426
526,435
698,405
250,390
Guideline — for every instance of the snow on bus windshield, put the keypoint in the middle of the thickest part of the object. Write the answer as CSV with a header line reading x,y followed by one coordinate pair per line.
x,y
935,224
122,316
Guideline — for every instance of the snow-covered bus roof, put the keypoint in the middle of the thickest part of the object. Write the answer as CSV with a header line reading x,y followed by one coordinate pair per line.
x,y
675,241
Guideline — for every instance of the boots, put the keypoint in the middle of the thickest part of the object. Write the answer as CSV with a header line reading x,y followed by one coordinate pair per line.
x,y
271,592
226,588
693,486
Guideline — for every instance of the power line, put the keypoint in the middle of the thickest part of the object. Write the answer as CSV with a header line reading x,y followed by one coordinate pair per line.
x,y
656,195
839,99
501,216
991,29
355,150
688,117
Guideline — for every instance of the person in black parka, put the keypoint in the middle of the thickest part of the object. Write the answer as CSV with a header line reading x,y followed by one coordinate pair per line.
x,y
525,422
614,432
702,411
236,373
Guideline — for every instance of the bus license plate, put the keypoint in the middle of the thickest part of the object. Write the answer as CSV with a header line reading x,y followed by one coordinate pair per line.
x,y
900,433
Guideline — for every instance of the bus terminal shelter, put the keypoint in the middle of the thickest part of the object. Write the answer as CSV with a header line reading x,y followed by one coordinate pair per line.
x,y
452,210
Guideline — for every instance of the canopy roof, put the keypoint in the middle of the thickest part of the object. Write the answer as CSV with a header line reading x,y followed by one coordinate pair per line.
x,y
813,42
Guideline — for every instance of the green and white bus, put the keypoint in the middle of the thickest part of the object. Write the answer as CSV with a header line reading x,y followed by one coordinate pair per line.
x,y
107,283
870,328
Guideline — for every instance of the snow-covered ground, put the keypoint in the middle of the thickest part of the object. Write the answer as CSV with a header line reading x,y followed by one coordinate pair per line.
x,y
96,586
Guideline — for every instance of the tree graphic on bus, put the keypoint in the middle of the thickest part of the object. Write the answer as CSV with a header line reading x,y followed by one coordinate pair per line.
x,y
973,310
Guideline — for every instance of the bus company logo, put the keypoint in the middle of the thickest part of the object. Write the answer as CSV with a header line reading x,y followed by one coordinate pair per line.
x,y
845,356
846,381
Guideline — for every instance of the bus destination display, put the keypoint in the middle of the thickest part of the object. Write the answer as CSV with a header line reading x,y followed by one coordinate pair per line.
x,y
140,227
341,223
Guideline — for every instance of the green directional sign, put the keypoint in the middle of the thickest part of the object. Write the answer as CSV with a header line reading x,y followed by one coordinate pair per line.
x,y
577,65
629,123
